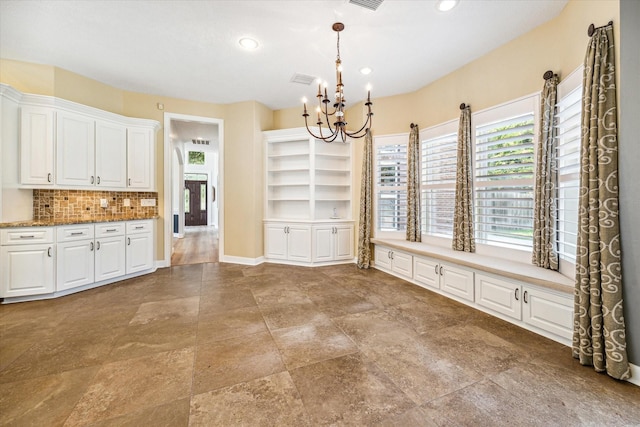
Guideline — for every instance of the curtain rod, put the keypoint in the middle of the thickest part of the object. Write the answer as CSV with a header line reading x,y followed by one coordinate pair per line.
x,y
593,28
463,106
412,125
549,74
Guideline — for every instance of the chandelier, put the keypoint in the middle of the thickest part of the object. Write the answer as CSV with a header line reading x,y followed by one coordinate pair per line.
x,y
324,111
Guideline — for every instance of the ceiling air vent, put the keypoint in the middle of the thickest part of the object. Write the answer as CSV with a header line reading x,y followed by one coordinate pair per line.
x,y
303,79
368,4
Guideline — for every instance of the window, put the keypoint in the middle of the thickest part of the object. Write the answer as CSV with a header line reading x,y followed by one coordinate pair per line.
x,y
196,157
391,182
504,168
438,178
568,125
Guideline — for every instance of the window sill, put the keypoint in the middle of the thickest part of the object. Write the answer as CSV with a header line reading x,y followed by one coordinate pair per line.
x,y
512,269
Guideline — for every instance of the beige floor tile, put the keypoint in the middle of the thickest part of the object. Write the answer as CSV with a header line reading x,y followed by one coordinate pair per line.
x,y
268,401
131,385
290,315
348,391
311,343
227,299
182,309
236,360
43,401
230,324
173,414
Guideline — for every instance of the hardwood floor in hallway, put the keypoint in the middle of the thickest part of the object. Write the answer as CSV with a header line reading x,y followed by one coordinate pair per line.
x,y
199,245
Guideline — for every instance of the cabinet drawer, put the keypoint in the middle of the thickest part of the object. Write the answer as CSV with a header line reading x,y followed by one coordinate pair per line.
x,y
69,233
135,227
107,229
26,236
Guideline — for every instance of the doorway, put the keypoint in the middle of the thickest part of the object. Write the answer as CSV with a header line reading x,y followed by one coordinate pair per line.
x,y
193,172
195,203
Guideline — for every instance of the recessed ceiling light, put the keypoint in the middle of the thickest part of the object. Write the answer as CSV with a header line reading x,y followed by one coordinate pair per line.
x,y
365,70
248,43
446,5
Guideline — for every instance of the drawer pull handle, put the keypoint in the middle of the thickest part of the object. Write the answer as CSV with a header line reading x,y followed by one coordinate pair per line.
x,y
524,297
516,293
98,180
97,246
441,270
129,182
111,230
436,268
139,227
92,179
49,252
49,177
128,241
77,233
91,246
31,236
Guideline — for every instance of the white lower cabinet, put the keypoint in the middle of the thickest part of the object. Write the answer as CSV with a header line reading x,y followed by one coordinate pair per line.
x,y
394,261
288,241
451,279
543,309
110,258
75,264
140,246
332,243
27,262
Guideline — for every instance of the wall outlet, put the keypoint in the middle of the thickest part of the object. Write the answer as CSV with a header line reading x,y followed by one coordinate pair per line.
x,y
104,203
147,202
126,202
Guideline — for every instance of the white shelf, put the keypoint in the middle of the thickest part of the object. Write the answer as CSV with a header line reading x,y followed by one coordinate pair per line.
x,y
289,170
333,185
332,200
334,156
276,156
333,170
293,184
288,199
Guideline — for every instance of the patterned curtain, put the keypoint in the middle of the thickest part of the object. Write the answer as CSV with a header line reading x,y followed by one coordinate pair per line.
x,y
544,209
463,239
599,330
366,214
414,230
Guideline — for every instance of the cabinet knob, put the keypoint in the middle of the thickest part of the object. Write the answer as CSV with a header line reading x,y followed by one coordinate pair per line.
x,y
516,294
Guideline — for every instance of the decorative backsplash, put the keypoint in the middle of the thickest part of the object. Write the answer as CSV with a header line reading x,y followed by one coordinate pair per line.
x,y
84,204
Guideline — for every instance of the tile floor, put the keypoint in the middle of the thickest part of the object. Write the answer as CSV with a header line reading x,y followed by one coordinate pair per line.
x,y
223,345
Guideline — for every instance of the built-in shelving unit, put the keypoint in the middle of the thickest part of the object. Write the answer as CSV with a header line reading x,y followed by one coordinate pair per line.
x,y
308,198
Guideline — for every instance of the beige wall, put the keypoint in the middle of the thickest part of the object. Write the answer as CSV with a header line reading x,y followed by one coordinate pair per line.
x,y
27,77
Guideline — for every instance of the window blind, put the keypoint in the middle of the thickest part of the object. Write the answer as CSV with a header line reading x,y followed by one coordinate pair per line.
x,y
504,168
391,179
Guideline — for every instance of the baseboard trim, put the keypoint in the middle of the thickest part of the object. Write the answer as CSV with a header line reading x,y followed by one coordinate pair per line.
x,y
161,263
635,374
241,260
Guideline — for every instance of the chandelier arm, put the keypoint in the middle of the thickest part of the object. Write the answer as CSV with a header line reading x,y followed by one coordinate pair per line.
x,y
310,131
365,125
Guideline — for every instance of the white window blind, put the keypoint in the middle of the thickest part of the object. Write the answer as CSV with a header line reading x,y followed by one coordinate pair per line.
x,y
439,158
568,125
391,183
504,169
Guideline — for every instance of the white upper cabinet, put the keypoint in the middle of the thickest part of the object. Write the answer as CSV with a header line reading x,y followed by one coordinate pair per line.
x,y
141,158
75,142
37,145
111,155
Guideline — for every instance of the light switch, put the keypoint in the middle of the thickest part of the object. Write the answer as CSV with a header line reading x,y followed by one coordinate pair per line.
x,y
126,202
104,203
147,202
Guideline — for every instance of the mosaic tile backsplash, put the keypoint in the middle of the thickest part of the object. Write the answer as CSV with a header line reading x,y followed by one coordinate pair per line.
x,y
83,204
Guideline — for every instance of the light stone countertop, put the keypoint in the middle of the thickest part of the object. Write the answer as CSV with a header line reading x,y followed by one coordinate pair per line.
x,y
70,221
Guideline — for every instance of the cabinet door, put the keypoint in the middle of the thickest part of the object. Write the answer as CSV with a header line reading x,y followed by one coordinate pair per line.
x,y
499,295
140,158
343,243
75,144
74,264
139,252
299,243
27,270
323,242
382,257
548,311
425,272
36,145
457,281
275,241
402,263
111,155
110,258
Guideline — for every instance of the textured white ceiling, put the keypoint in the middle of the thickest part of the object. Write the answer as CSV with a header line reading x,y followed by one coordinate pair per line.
x,y
189,49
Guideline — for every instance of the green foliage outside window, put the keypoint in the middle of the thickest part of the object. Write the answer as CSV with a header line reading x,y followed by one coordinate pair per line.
x,y
196,157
